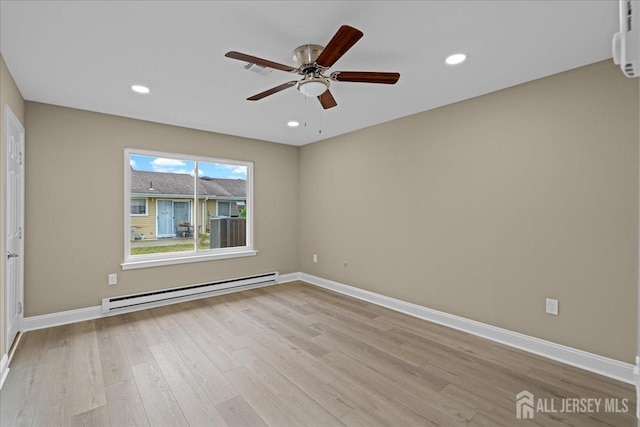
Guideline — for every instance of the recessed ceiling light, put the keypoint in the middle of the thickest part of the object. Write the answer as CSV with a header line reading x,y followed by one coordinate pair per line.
x,y
293,124
140,89
457,58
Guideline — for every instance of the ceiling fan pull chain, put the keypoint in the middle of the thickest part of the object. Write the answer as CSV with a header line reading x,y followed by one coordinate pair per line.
x,y
320,119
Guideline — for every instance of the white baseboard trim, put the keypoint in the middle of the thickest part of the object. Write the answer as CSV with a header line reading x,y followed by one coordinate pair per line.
x,y
7,358
611,368
636,373
4,369
33,323
289,277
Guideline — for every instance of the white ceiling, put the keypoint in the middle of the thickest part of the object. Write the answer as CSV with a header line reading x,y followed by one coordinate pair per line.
x,y
87,55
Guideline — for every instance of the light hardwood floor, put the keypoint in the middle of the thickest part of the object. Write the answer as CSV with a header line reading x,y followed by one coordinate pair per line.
x,y
287,355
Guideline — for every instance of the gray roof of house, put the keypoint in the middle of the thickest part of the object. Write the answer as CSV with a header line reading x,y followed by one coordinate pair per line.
x,y
182,184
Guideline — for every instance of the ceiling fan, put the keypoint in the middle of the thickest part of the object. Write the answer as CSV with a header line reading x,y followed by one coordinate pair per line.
x,y
313,61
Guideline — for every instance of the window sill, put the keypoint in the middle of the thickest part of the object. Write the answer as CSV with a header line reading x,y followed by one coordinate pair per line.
x,y
145,263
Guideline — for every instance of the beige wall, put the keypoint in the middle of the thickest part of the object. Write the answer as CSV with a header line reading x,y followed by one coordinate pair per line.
x,y
491,205
9,96
74,156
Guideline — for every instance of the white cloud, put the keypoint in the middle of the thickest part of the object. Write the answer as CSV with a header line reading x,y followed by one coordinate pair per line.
x,y
161,161
161,164
236,170
239,170
132,163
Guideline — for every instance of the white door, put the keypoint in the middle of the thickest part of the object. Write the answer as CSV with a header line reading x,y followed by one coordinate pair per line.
x,y
14,222
165,219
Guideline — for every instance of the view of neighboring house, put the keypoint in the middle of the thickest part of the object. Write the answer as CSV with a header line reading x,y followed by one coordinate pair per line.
x,y
162,203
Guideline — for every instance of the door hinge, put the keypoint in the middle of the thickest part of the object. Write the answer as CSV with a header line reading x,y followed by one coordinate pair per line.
x,y
20,158
19,307
19,232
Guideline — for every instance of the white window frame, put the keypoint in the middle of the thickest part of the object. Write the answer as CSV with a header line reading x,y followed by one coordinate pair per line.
x,y
154,260
146,206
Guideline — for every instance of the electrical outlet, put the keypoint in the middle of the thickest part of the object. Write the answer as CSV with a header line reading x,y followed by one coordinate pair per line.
x,y
113,279
345,264
315,258
552,306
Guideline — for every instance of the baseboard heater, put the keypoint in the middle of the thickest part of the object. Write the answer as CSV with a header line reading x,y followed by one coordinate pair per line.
x,y
184,293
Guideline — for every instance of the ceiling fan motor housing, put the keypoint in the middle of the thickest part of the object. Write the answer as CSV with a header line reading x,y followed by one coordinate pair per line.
x,y
305,56
313,83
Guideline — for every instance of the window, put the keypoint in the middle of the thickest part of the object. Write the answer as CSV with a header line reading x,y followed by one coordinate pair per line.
x,y
183,208
230,209
139,207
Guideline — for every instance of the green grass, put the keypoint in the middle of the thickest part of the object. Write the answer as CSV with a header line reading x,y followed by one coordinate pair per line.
x,y
179,247
162,249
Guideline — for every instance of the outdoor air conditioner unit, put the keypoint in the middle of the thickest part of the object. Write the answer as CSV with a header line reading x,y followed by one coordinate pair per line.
x,y
626,43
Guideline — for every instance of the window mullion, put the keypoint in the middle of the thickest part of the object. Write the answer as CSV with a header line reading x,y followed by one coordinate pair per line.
x,y
194,209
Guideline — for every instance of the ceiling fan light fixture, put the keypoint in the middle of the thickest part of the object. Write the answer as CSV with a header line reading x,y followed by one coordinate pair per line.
x,y
313,86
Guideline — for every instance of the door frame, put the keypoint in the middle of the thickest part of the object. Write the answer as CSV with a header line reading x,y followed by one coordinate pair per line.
x,y
10,118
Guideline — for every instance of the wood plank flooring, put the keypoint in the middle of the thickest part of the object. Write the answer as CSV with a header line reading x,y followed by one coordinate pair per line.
x,y
287,355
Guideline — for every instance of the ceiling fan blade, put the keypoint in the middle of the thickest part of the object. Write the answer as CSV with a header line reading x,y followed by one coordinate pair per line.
x,y
272,91
327,100
365,77
259,61
341,42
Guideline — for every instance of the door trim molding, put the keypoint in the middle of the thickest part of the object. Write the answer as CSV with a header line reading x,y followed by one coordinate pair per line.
x,y
11,118
4,369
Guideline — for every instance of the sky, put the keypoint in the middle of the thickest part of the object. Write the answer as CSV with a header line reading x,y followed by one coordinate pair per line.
x,y
212,170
